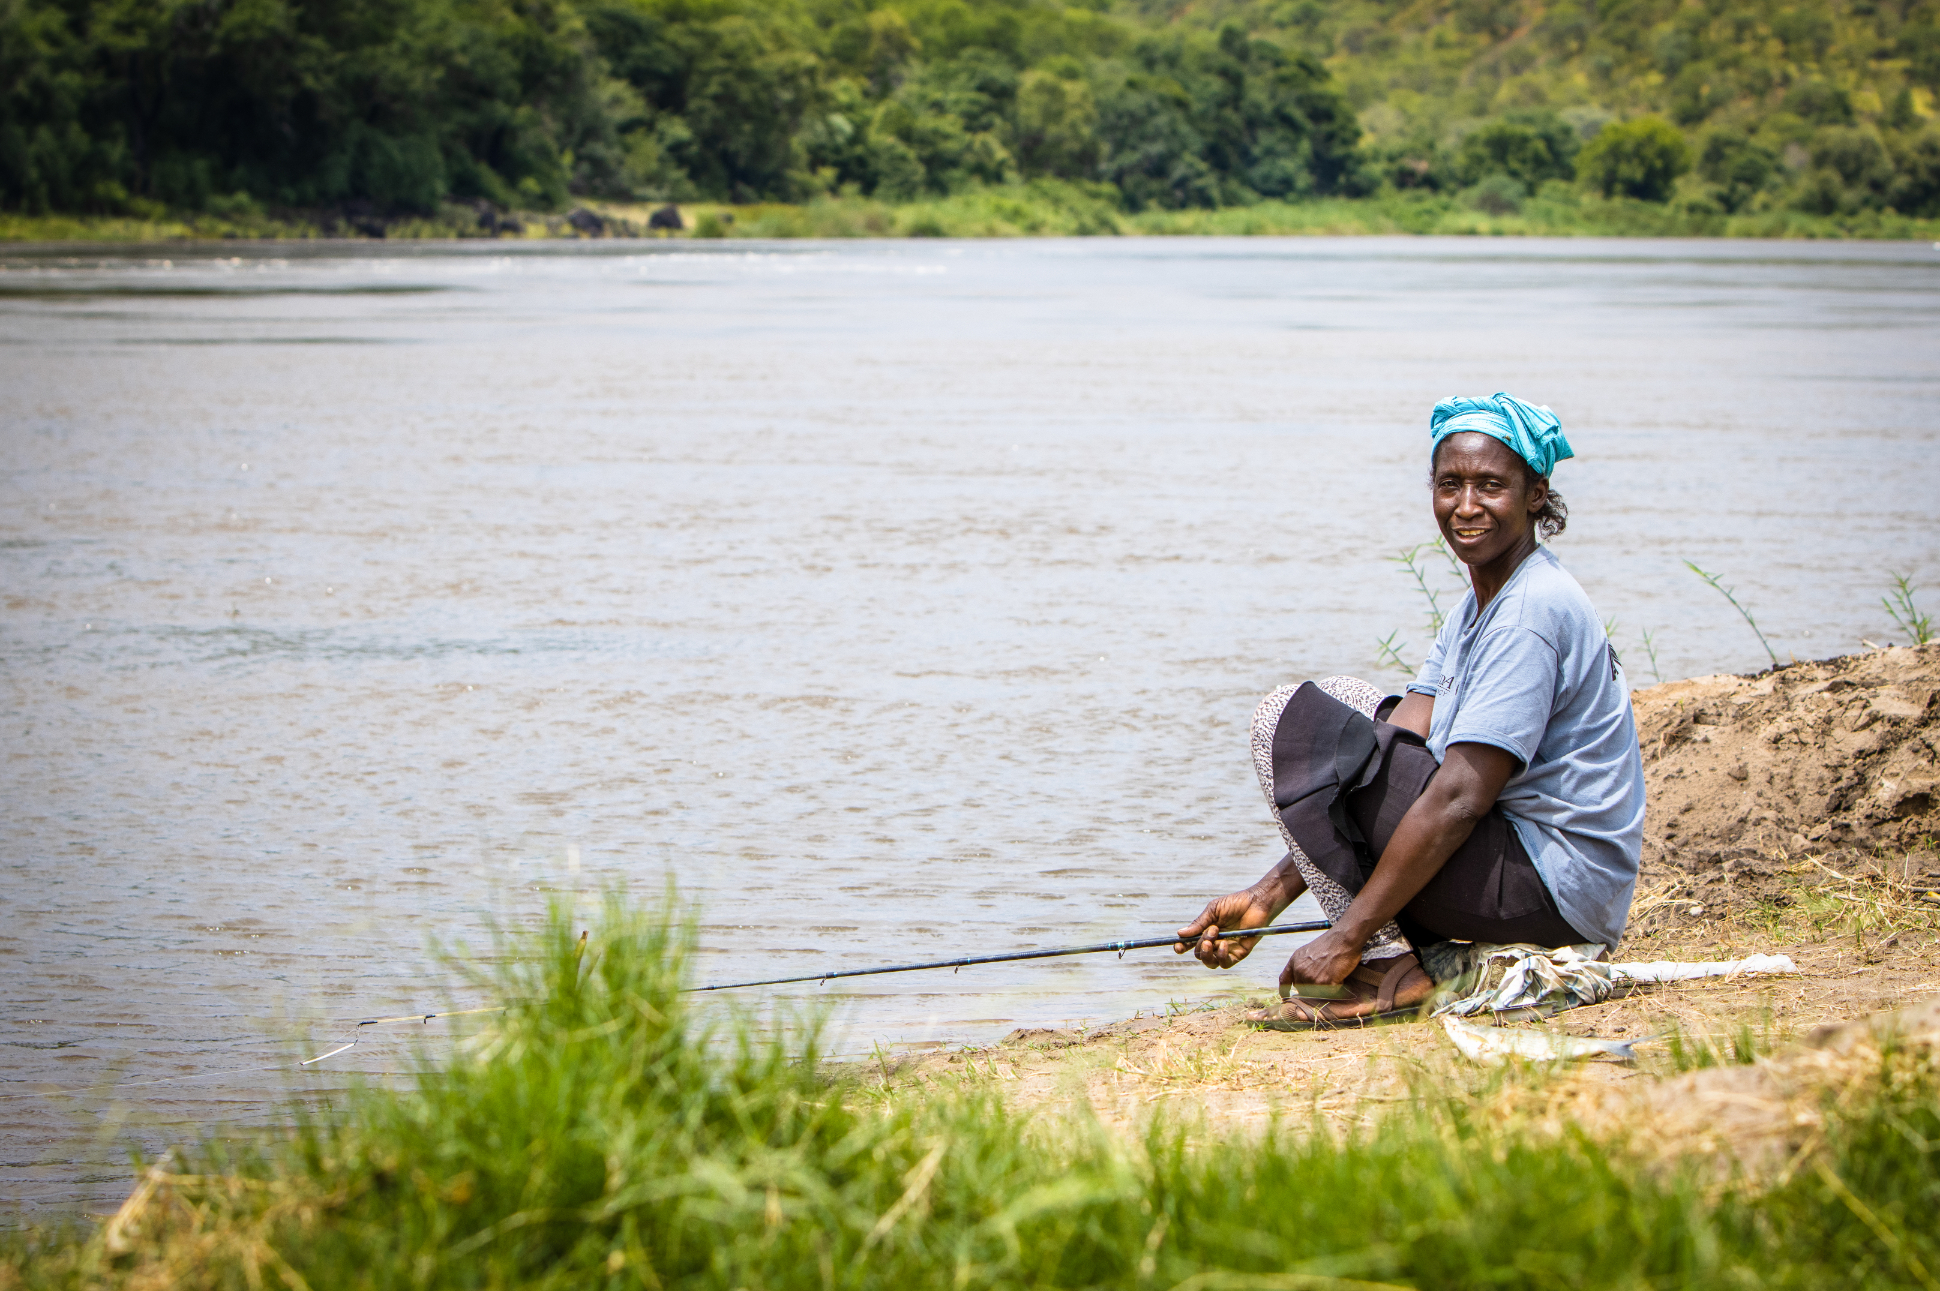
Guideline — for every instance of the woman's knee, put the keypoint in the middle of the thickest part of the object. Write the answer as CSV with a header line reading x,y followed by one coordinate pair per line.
x,y
1363,697
1267,716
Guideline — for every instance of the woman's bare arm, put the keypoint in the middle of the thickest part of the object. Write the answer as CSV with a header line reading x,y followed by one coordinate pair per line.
x,y
1460,794
1414,712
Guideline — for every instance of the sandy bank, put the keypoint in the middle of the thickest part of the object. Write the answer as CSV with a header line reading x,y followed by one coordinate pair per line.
x,y
1834,760
1790,812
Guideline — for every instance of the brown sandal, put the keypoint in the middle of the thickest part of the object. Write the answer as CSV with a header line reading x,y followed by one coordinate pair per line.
x,y
1365,984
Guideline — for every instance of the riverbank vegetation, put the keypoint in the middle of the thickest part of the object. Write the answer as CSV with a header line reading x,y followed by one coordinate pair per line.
x,y
1040,208
595,1133
941,117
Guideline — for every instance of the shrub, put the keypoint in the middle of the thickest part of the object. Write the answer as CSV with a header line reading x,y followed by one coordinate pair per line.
x,y
1640,158
1916,182
1528,149
1857,157
1497,195
1736,167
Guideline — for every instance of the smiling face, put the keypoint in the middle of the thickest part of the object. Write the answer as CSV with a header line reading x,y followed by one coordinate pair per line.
x,y
1486,499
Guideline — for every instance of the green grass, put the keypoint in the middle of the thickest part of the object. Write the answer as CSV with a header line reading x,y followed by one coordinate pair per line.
x,y
598,1135
1740,1046
1818,903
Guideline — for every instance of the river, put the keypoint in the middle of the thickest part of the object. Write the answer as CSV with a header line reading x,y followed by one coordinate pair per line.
x,y
896,600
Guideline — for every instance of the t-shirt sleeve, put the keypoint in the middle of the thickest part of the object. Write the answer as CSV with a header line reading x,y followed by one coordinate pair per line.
x,y
1508,694
1429,680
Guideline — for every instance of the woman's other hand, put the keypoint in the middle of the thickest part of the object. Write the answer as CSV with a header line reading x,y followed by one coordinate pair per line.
x,y
1324,961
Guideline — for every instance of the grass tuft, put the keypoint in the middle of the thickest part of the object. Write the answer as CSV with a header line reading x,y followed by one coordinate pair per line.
x,y
1906,616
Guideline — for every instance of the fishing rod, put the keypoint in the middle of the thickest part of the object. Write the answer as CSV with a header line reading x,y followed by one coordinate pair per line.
x,y
1143,943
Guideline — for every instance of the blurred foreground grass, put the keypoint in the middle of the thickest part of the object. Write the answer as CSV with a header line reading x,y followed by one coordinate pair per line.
x,y
599,1134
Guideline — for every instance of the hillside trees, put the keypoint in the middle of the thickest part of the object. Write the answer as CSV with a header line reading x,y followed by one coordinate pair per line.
x,y
1438,82
396,102
399,104
1724,106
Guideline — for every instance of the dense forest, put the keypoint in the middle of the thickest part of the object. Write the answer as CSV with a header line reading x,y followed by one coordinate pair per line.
x,y
139,106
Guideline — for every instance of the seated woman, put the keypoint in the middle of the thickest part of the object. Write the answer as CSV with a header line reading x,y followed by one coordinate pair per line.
x,y
1500,800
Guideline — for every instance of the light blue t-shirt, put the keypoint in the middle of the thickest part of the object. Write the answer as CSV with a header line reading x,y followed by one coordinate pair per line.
x,y
1534,674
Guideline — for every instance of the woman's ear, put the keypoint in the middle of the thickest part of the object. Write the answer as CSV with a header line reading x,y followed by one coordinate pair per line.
x,y
1538,492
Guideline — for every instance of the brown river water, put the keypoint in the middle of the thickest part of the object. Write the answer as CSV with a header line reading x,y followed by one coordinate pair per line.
x,y
897,600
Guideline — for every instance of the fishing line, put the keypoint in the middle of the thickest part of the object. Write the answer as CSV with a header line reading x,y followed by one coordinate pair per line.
x,y
139,1084
239,1071
406,1017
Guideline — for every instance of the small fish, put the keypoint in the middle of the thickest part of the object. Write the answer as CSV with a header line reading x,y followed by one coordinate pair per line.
x,y
1494,1044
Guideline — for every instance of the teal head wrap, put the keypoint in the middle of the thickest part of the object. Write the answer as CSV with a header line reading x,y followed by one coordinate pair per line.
x,y
1533,431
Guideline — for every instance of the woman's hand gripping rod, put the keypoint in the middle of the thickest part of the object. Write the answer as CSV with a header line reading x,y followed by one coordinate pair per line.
x,y
1142,943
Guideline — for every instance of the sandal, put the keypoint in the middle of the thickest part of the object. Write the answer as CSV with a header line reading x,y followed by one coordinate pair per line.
x,y
1367,984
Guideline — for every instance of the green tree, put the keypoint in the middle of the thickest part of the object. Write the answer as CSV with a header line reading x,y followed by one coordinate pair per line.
x,y
1150,145
1057,126
1529,149
300,102
748,93
1641,158
1737,167
1916,181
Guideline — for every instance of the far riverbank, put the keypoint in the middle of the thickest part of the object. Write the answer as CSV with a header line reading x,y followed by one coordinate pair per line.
x,y
1038,209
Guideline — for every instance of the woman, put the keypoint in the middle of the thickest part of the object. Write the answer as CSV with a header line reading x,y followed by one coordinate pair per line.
x,y
1500,800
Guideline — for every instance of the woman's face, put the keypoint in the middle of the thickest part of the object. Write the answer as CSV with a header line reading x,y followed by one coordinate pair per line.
x,y
1486,497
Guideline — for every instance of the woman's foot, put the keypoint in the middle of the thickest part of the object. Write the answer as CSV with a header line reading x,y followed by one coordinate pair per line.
x,y
1377,988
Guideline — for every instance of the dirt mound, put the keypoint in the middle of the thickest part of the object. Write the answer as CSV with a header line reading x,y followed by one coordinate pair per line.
x,y
1748,776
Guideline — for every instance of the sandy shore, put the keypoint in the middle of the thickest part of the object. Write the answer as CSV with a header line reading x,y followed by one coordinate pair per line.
x,y
1791,813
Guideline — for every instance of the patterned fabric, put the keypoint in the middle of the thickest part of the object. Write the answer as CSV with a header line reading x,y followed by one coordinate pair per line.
x,y
1333,898
1515,982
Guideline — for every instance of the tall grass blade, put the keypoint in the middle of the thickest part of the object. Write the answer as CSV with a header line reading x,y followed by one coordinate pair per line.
x,y
1650,650
1415,566
1713,579
1390,653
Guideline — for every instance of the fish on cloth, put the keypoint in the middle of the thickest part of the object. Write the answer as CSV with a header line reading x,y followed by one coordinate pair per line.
x,y
1495,1045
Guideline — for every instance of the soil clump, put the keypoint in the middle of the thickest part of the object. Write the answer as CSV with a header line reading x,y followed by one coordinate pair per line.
x,y
1747,776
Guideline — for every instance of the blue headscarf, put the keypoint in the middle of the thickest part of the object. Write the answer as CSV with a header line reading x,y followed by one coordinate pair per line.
x,y
1533,431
